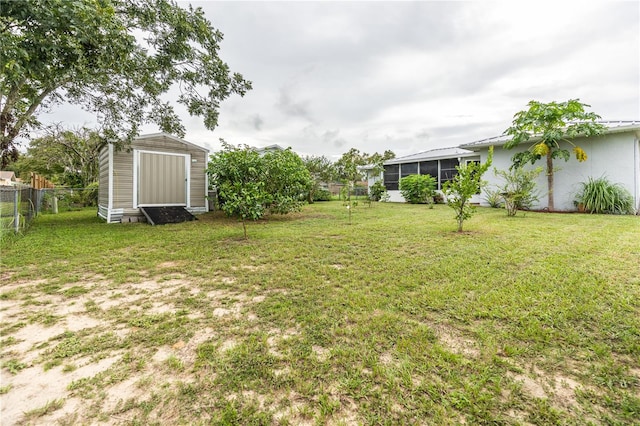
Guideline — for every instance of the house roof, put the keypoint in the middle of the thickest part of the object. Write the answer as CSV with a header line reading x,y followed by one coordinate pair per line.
x,y
7,175
612,127
433,154
269,148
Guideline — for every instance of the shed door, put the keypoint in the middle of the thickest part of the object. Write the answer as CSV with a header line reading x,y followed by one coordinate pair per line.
x,y
162,179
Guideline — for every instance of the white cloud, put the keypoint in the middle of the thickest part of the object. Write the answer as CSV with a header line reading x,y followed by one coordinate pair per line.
x,y
410,76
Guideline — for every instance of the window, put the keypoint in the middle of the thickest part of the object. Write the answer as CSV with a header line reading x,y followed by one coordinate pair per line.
x,y
447,170
408,169
391,174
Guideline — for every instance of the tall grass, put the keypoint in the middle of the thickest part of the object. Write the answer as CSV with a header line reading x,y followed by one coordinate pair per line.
x,y
601,196
394,319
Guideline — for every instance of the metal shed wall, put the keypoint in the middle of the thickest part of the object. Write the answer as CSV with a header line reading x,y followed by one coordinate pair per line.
x,y
122,172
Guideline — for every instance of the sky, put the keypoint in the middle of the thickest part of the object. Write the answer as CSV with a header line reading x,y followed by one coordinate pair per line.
x,y
413,76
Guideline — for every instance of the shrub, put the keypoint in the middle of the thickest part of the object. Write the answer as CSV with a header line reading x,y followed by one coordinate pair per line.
x,y
90,194
493,198
322,195
418,189
519,188
601,196
376,191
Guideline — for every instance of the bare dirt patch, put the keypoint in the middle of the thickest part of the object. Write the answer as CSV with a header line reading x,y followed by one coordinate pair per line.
x,y
386,358
168,265
455,341
321,353
32,387
530,386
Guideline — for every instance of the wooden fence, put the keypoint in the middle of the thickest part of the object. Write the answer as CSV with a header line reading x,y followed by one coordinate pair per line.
x,y
40,182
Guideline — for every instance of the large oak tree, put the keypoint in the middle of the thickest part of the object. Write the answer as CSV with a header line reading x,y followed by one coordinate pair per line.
x,y
115,58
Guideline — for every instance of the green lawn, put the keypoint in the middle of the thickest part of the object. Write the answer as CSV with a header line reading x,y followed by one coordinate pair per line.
x,y
394,319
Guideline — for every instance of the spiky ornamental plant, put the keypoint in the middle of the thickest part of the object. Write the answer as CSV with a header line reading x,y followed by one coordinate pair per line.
x,y
553,123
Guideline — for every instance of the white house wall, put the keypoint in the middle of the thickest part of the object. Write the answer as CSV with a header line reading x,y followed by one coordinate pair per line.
x,y
615,156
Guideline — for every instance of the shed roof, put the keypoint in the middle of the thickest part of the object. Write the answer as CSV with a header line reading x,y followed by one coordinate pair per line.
x,y
168,136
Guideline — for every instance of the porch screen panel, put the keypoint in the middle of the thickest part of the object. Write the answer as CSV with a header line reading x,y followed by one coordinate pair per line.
x,y
429,168
391,175
162,179
407,169
447,170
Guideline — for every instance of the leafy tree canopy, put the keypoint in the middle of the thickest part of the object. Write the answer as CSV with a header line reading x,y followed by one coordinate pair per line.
x,y
551,123
321,170
348,167
287,181
66,157
116,58
249,184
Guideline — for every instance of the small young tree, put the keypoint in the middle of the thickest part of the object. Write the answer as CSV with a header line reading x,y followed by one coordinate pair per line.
x,y
519,188
249,184
348,169
465,185
418,189
237,173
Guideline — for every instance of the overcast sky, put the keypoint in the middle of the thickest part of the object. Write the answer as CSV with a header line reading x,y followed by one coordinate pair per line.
x,y
413,76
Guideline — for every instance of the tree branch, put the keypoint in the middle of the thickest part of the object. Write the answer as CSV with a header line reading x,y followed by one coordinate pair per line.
x,y
15,130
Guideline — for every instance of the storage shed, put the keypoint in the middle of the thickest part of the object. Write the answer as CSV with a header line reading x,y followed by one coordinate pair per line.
x,y
157,170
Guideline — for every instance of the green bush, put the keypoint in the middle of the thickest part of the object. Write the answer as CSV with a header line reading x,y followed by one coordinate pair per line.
x,y
418,189
601,196
493,198
90,195
519,188
322,195
376,191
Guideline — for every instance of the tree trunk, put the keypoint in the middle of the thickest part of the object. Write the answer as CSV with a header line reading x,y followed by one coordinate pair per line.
x,y
460,222
244,227
550,205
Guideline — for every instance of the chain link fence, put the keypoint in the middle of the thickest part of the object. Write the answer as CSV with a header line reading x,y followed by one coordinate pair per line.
x,y
20,204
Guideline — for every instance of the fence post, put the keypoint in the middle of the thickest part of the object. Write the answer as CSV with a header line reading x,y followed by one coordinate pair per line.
x,y
16,216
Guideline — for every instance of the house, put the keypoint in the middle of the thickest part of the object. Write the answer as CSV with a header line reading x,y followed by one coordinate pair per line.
x,y
157,170
439,163
7,178
269,148
615,155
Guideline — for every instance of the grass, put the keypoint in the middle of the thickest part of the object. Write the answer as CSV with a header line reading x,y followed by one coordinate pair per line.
x,y
394,319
